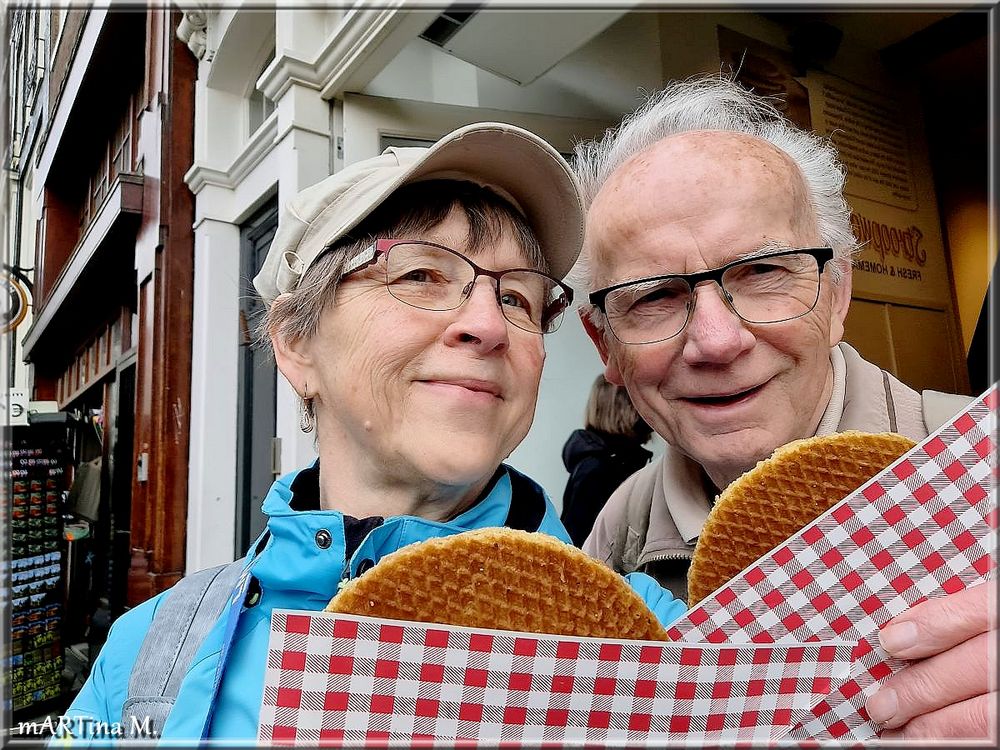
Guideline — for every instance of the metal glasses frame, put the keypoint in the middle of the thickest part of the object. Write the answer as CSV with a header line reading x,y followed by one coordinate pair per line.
x,y
381,247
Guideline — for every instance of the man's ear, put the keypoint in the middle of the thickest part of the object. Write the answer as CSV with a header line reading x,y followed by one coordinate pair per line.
x,y
840,304
611,372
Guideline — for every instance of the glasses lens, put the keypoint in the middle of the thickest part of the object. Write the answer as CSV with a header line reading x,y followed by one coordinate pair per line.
x,y
434,278
427,277
648,311
532,301
772,289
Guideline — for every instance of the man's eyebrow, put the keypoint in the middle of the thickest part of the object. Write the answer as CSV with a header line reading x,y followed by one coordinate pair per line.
x,y
769,246
765,248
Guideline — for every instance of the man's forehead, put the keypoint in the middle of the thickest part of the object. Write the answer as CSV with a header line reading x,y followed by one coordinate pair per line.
x,y
710,149
712,196
698,169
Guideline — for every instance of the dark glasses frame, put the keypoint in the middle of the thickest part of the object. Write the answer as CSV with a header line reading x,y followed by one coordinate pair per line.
x,y
822,255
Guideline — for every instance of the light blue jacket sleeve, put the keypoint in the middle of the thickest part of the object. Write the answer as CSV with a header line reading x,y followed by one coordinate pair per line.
x,y
99,703
660,600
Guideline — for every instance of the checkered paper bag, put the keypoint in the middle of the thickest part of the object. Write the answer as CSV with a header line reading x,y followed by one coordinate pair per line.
x,y
333,678
924,527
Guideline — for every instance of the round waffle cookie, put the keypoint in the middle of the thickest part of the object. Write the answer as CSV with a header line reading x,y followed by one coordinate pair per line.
x,y
501,579
781,495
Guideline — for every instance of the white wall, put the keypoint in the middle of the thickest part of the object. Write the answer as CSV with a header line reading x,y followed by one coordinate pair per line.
x,y
571,364
212,508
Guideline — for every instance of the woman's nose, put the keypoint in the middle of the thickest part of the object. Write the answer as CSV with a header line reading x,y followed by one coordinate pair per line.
x,y
479,321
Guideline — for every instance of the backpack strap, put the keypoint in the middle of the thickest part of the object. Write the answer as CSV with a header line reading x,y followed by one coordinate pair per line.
x,y
182,620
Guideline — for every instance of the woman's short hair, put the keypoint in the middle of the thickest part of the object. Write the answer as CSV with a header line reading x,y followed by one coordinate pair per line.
x,y
610,410
409,211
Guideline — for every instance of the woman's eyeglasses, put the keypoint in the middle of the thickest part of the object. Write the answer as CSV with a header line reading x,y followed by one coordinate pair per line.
x,y
429,276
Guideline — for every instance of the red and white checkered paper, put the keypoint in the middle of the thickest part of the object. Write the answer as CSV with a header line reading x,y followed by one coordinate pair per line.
x,y
924,527
341,678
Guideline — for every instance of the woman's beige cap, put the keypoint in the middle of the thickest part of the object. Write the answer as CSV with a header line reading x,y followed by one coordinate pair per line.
x,y
517,164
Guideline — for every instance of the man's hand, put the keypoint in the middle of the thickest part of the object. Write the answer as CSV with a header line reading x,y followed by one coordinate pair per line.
x,y
949,691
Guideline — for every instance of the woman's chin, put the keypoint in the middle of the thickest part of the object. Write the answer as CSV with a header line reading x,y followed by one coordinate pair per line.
x,y
459,467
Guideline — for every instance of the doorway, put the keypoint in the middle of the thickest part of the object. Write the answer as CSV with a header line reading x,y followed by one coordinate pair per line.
x,y
257,385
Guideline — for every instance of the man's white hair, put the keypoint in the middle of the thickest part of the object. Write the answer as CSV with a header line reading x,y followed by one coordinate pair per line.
x,y
719,103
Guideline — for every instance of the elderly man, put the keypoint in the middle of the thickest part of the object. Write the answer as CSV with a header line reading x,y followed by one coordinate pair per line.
x,y
718,254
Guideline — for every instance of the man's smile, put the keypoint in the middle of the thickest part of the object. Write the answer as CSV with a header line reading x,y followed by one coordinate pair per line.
x,y
727,398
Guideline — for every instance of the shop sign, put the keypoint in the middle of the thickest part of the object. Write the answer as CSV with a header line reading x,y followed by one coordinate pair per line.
x,y
886,244
17,407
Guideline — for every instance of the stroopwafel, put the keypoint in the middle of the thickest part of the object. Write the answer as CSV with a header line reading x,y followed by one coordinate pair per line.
x,y
502,579
781,495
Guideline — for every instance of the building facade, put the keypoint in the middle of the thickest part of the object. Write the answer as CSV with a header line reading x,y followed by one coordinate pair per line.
x,y
106,226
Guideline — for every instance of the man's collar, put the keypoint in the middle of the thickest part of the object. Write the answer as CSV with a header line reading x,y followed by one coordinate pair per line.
x,y
688,494
830,420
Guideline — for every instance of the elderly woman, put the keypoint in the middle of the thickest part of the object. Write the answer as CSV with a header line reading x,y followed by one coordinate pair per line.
x,y
408,298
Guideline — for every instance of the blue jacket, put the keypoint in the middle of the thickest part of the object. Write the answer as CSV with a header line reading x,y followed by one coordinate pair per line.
x,y
294,572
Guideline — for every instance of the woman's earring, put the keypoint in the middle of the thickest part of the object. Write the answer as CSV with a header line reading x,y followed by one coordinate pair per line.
x,y
307,417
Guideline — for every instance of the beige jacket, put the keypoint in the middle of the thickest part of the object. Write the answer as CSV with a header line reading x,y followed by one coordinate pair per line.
x,y
651,523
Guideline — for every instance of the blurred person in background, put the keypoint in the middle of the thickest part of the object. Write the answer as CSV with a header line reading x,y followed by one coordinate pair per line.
x,y
601,456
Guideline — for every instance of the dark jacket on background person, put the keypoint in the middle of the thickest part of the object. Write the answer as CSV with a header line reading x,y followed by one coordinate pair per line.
x,y
598,463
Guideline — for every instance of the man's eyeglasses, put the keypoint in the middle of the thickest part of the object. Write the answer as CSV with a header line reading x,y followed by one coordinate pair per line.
x,y
767,288
433,277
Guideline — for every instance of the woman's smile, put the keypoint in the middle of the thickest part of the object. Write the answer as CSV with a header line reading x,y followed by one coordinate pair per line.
x,y
471,390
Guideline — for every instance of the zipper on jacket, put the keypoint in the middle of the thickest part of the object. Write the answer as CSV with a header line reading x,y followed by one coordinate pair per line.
x,y
345,576
664,558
